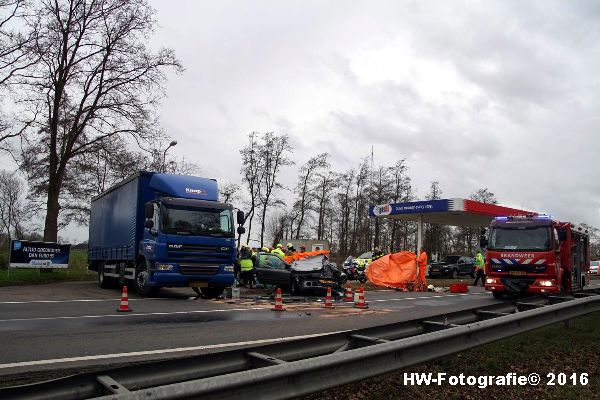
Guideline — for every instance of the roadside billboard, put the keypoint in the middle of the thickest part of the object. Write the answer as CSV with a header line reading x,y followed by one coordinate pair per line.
x,y
26,254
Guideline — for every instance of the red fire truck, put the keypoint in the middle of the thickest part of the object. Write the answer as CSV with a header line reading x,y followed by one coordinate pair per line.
x,y
536,254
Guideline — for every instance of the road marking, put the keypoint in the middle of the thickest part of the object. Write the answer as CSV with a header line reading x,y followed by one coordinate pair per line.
x,y
427,297
162,351
89,300
133,314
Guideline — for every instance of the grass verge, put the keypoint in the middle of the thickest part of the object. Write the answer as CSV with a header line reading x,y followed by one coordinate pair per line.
x,y
552,349
77,271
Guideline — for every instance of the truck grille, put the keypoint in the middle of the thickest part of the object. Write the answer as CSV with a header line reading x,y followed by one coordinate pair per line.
x,y
198,269
202,253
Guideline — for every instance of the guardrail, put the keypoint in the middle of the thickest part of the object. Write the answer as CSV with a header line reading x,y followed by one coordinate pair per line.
x,y
293,369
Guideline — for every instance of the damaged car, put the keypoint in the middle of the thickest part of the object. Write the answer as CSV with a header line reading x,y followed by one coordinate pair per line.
x,y
311,275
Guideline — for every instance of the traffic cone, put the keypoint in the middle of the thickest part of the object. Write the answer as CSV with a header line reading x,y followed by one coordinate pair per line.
x,y
328,301
124,306
278,301
361,299
349,298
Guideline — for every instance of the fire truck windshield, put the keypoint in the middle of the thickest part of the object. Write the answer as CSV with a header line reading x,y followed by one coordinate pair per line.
x,y
535,238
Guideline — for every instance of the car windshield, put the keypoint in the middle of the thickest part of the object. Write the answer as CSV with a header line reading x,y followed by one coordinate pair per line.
x,y
521,238
451,259
368,254
197,221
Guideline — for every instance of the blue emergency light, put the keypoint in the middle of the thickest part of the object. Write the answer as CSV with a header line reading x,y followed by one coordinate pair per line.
x,y
501,218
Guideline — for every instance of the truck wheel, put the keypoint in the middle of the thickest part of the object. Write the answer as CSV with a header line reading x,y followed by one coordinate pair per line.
x,y
104,281
454,273
142,281
498,295
212,292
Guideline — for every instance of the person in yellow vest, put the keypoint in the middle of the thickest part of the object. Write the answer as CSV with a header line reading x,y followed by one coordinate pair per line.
x,y
422,262
479,269
278,251
247,261
265,249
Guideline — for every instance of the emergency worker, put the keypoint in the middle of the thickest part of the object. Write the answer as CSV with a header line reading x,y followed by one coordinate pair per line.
x,y
479,269
278,251
247,261
422,262
265,249
290,249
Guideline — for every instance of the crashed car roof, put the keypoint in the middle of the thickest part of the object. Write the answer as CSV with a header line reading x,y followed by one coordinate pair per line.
x,y
308,264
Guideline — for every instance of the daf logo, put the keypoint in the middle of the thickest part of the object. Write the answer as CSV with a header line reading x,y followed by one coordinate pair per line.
x,y
175,246
224,249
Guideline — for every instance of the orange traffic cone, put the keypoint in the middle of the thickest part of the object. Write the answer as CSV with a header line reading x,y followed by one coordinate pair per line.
x,y
278,301
349,298
124,306
361,299
328,301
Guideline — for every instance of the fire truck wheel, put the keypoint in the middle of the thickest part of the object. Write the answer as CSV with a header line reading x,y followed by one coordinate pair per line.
x,y
498,295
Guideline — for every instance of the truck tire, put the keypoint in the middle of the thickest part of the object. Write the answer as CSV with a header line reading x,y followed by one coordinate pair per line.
x,y
105,282
142,281
212,292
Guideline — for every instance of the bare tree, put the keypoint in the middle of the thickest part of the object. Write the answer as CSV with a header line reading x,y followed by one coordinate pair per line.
x,y
304,187
274,153
13,213
96,79
229,192
252,175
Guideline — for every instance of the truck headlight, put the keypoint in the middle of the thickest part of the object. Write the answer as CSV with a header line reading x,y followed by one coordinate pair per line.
x,y
228,268
490,281
546,283
164,267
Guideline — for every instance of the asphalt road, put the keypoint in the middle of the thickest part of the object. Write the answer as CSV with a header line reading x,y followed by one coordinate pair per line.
x,y
70,325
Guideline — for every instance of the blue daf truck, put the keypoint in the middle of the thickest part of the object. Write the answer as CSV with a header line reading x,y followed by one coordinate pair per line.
x,y
163,230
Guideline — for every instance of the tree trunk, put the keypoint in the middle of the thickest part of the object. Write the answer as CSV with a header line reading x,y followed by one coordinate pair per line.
x,y
262,225
52,211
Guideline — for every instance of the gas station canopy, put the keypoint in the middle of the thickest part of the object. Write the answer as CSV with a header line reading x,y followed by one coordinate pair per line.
x,y
457,212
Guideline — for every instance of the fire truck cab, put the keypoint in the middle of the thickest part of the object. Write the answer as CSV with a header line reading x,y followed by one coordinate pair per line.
x,y
535,254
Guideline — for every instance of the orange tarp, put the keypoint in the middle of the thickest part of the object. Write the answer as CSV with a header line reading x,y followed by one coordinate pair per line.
x,y
298,256
393,270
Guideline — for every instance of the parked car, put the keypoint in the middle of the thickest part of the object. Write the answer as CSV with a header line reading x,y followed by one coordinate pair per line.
x,y
594,267
453,266
308,275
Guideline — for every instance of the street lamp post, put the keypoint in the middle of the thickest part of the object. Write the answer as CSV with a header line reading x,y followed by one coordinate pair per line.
x,y
164,160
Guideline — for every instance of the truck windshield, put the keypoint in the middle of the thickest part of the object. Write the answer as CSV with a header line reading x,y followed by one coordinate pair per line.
x,y
521,238
197,221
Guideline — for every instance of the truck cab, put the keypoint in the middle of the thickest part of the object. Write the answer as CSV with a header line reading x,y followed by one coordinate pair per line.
x,y
535,254
189,242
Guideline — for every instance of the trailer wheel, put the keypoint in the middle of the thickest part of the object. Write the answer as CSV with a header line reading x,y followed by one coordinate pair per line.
x,y
212,292
142,281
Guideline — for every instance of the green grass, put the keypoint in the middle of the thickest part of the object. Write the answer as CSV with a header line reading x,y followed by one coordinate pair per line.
x,y
550,349
77,271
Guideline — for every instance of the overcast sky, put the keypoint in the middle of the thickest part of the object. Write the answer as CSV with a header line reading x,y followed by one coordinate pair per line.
x,y
496,94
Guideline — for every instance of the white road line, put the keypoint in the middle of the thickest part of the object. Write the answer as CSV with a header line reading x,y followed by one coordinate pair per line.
x,y
162,351
133,314
87,300
427,297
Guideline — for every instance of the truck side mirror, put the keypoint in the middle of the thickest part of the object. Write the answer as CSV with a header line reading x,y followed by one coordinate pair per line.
x,y
483,242
149,224
149,210
240,217
241,230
